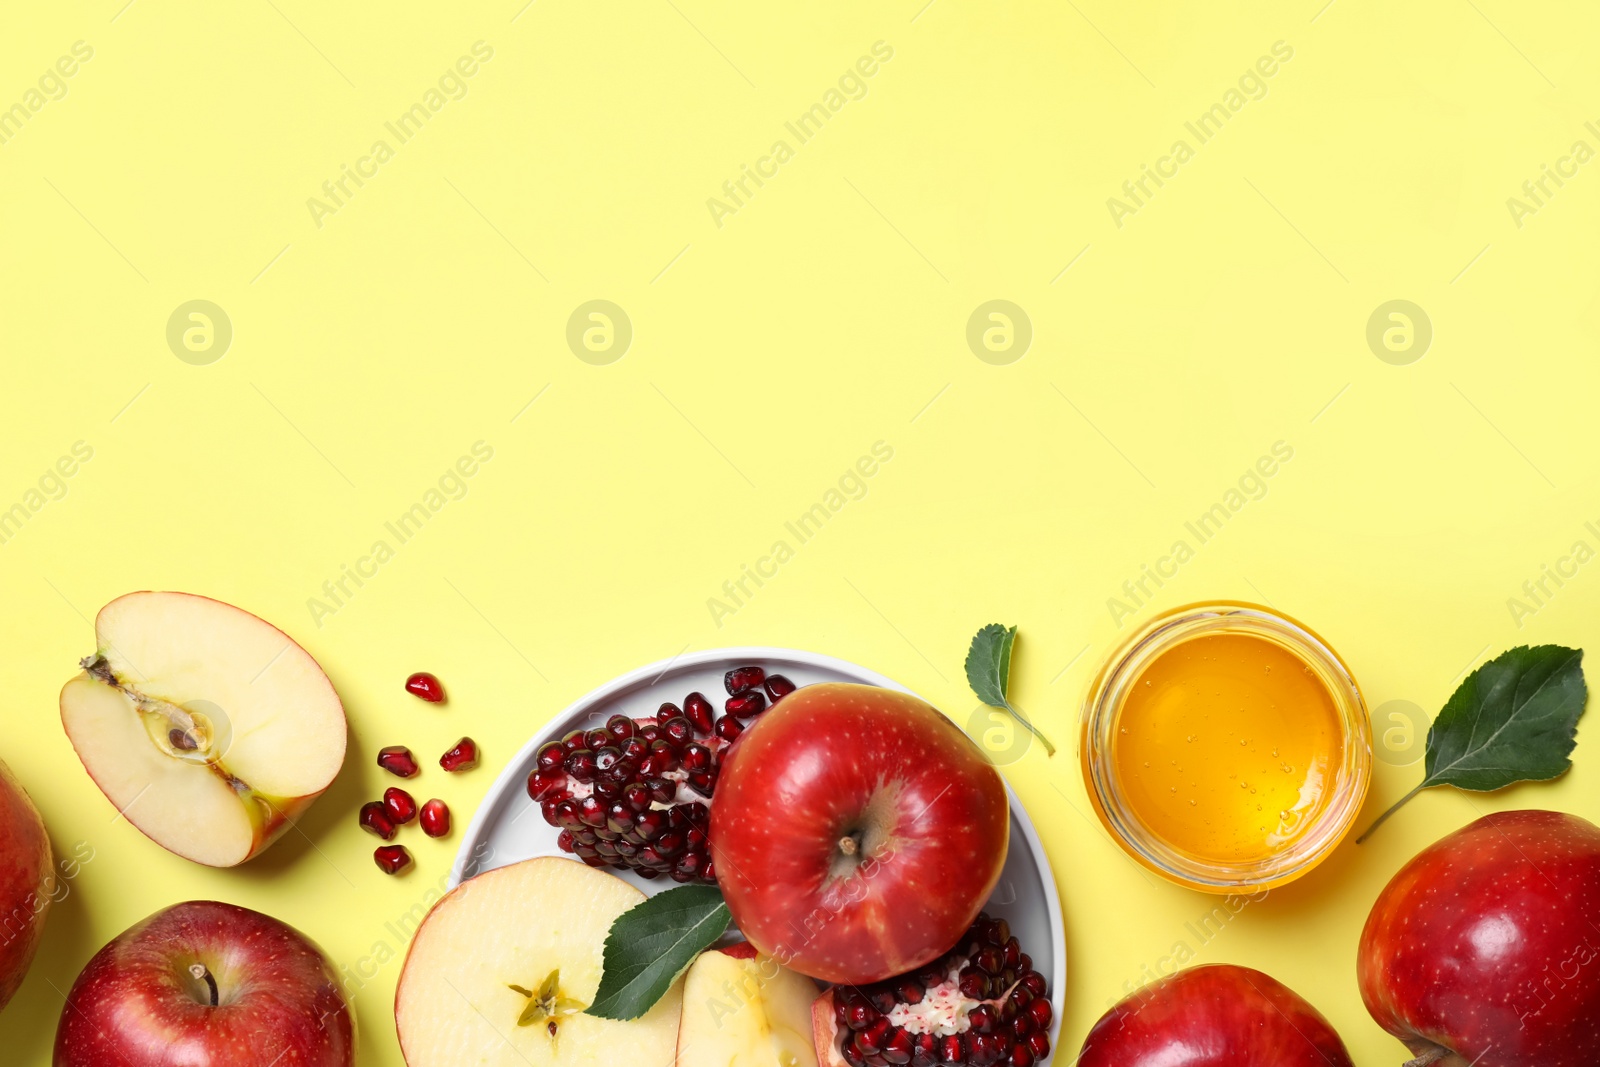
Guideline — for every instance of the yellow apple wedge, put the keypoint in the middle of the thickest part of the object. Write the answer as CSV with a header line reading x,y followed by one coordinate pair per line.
x,y
209,729
744,1010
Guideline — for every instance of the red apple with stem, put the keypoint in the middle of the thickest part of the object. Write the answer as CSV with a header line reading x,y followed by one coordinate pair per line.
x,y
1214,1016
26,881
204,984
856,832
1485,948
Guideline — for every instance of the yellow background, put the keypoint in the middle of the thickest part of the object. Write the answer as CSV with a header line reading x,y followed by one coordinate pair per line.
x,y
770,353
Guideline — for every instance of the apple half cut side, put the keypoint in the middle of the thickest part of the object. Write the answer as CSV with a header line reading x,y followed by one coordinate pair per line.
x,y
208,728
501,970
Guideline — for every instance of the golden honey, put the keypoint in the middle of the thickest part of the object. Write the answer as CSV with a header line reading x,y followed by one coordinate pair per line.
x,y
1226,745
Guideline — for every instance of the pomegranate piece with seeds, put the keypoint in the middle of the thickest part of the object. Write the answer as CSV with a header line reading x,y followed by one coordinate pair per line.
x,y
463,756
636,794
392,859
398,761
375,819
427,686
981,1003
400,805
435,820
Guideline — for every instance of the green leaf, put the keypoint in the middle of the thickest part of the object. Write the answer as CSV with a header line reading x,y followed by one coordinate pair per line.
x,y
650,946
989,664
1514,719
989,674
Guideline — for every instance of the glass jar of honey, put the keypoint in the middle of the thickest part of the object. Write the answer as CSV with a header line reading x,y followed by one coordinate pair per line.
x,y
1226,746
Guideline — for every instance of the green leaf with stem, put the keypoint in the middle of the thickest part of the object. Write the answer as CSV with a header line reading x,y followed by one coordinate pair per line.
x,y
989,674
1514,719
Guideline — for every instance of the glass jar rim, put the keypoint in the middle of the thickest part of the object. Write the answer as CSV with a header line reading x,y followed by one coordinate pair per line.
x,y
1108,694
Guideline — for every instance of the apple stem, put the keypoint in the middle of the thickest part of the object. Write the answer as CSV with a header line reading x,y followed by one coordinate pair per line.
x,y
201,973
848,845
1432,1056
1384,817
1016,713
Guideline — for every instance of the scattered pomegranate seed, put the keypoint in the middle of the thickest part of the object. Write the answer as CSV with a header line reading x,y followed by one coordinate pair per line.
x,y
741,678
435,818
398,760
729,728
400,805
463,756
427,686
392,859
745,704
374,819
778,687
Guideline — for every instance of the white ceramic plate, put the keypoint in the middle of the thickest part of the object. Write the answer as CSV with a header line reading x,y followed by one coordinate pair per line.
x,y
508,827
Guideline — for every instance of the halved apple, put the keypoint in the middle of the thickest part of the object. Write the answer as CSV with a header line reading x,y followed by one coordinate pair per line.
x,y
501,970
741,1009
208,728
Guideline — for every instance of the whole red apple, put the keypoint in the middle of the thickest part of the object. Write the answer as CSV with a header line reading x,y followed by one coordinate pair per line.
x,y
204,984
1485,948
1214,1016
26,880
856,832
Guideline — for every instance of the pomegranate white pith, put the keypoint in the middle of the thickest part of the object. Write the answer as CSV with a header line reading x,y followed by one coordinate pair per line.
x,y
206,727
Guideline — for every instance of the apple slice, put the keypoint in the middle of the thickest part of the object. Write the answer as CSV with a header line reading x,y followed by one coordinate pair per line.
x,y
500,971
211,730
741,1009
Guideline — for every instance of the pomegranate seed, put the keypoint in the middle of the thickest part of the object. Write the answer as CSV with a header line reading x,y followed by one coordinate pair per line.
x,y
1021,1056
897,1049
742,678
435,820
426,686
392,859
399,804
778,687
463,756
374,819
699,711
1039,1044
745,704
728,728
545,783
620,727
1040,1012
398,761
552,756
871,1040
